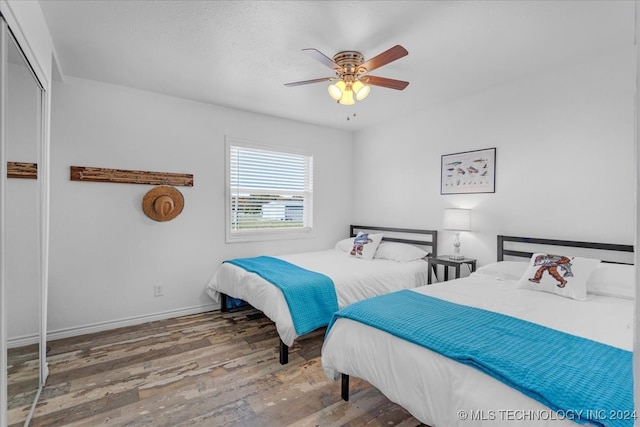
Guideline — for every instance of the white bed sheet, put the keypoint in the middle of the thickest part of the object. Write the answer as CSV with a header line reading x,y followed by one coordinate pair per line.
x,y
441,392
354,279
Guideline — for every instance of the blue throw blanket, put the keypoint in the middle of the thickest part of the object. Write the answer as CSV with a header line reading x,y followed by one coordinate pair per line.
x,y
579,378
311,296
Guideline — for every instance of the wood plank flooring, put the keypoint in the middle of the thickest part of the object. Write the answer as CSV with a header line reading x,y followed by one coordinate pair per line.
x,y
210,369
23,379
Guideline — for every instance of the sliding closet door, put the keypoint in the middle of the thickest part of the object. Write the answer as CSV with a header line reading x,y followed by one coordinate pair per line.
x,y
21,215
3,263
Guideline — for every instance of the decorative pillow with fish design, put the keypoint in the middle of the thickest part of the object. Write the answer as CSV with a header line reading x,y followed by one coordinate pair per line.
x,y
559,274
365,245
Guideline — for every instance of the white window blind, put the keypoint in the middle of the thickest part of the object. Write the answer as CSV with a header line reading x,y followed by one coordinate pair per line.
x,y
270,191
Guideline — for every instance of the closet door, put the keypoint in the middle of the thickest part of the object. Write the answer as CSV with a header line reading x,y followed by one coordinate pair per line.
x,y
22,302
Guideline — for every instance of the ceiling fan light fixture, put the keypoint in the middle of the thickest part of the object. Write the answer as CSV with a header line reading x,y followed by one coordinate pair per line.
x,y
361,90
347,92
337,89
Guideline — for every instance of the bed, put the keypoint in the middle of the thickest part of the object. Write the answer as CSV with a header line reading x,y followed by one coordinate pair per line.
x,y
463,387
391,259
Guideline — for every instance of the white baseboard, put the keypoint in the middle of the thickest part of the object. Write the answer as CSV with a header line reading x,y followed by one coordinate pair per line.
x,y
23,340
129,321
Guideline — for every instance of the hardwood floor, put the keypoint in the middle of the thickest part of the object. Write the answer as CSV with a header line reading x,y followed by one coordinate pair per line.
x,y
23,379
211,369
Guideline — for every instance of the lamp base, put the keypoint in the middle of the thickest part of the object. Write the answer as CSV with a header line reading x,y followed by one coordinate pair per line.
x,y
456,257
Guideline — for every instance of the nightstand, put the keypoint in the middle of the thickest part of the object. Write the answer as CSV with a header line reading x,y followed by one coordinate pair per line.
x,y
448,263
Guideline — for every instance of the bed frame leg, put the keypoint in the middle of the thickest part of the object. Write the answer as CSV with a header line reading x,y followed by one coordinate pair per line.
x,y
284,353
435,271
223,303
345,388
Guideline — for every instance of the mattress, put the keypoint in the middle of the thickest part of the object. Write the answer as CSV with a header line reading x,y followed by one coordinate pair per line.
x,y
354,279
441,392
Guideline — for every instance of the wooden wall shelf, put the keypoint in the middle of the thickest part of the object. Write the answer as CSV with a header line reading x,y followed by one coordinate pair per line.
x,y
83,173
22,170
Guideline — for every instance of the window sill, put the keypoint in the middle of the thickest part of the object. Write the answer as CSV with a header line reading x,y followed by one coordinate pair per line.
x,y
266,235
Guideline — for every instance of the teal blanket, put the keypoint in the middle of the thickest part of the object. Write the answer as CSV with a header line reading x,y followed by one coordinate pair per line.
x,y
311,296
577,377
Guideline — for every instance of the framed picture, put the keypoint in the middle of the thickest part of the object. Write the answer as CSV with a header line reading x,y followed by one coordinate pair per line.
x,y
468,172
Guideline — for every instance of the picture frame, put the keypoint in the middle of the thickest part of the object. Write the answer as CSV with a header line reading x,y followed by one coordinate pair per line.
x,y
468,172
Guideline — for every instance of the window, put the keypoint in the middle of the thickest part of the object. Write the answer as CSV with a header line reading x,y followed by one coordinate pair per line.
x,y
269,192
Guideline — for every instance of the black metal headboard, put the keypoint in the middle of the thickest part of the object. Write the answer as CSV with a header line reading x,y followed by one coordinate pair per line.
x,y
413,236
615,252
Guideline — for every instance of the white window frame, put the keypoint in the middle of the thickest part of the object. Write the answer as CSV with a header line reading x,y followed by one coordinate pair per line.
x,y
266,234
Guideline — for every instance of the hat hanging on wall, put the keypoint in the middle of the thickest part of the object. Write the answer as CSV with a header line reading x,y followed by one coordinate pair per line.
x,y
162,203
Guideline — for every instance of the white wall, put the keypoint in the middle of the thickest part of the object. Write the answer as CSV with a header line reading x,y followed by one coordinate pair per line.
x,y
106,255
565,159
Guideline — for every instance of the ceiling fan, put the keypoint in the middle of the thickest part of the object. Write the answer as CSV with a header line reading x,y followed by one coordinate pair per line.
x,y
352,79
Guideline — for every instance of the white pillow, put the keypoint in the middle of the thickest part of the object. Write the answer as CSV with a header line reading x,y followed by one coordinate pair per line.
x,y
401,252
503,270
613,280
558,274
364,245
344,245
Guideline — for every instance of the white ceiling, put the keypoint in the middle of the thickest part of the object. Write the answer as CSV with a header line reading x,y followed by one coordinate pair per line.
x,y
240,53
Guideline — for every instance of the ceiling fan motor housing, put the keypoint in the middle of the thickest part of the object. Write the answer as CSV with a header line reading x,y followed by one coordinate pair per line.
x,y
349,61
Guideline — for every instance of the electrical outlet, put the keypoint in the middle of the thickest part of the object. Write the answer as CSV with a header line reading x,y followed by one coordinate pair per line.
x,y
158,290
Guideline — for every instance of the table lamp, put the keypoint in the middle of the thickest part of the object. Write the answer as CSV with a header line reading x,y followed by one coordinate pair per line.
x,y
457,220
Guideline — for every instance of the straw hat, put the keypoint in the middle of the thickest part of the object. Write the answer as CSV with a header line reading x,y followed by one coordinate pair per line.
x,y
162,203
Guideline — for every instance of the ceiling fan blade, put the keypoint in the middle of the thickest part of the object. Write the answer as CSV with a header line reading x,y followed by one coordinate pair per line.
x,y
306,82
319,56
385,57
385,82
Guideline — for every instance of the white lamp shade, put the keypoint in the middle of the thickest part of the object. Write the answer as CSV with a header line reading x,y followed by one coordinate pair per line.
x,y
335,90
347,97
457,219
361,90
